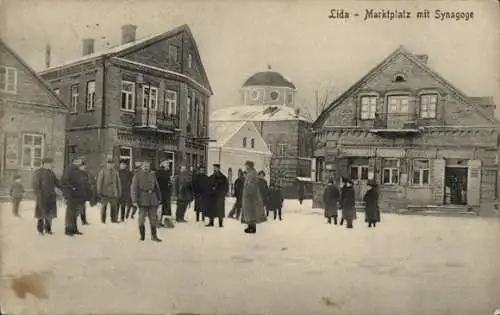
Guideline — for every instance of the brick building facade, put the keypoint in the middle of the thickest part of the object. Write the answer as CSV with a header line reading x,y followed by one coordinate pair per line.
x,y
419,137
146,99
32,121
269,102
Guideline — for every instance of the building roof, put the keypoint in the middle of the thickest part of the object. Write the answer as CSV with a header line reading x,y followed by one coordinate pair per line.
x,y
35,75
422,63
268,78
256,113
222,131
121,50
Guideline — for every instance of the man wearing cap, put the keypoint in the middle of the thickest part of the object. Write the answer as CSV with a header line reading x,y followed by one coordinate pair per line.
x,y
347,203
89,193
184,190
164,177
146,196
125,181
109,190
252,211
218,187
200,186
76,190
44,184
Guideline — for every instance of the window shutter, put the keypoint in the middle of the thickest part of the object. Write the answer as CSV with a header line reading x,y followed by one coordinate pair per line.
x,y
437,180
474,183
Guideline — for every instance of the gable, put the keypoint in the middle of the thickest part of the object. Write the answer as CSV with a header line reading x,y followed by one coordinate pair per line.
x,y
29,87
453,106
158,53
249,132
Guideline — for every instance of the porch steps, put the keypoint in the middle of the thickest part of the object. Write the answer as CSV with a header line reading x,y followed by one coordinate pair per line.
x,y
441,210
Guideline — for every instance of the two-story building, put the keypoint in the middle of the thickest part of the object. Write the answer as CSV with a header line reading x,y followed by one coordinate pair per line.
x,y
424,141
145,99
32,121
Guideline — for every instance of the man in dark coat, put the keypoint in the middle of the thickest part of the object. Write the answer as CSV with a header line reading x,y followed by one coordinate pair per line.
x,y
109,190
124,202
44,184
347,203
331,198
372,212
164,178
238,191
218,186
275,200
184,190
89,193
133,209
200,189
263,188
146,196
252,210
300,192
76,190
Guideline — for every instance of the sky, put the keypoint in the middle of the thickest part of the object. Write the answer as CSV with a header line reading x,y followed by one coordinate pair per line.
x,y
239,38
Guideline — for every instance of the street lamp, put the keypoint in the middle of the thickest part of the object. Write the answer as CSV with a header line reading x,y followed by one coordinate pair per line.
x,y
140,84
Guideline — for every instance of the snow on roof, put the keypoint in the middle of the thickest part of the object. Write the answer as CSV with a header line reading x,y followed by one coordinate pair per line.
x,y
222,131
256,113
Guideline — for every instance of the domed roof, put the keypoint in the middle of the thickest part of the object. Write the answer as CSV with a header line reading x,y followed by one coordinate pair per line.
x,y
268,78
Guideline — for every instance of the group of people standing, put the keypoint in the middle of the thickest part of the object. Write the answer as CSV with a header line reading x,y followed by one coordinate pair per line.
x,y
344,199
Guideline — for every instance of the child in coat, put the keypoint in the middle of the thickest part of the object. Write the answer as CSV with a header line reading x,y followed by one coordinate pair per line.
x,y
16,194
275,201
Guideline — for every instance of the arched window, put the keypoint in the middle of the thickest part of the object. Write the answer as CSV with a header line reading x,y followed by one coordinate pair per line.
x,y
245,142
252,143
399,78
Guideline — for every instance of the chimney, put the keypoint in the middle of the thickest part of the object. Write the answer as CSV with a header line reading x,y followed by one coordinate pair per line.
x,y
422,58
128,33
88,46
48,51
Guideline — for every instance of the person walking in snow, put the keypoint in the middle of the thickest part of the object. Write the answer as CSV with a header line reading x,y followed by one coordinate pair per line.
x,y
372,212
347,203
331,199
252,210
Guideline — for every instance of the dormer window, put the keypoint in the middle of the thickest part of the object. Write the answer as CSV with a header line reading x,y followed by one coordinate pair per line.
x,y
428,105
368,107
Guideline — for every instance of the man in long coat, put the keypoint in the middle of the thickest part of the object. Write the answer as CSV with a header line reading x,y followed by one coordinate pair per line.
x,y
44,184
76,190
184,190
146,196
347,202
164,177
372,211
252,211
238,191
109,190
200,189
331,198
218,186
263,188
125,202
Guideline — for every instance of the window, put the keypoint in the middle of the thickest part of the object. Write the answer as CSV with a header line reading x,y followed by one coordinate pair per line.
x,y
126,156
173,54
421,172
90,95
75,96
274,95
151,96
8,79
359,172
190,60
252,143
170,102
202,115
282,149
189,107
399,78
320,168
397,104
390,171
128,96
428,106
245,142
290,98
33,146
368,107
57,92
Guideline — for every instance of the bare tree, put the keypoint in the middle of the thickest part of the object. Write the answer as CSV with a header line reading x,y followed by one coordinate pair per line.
x,y
322,97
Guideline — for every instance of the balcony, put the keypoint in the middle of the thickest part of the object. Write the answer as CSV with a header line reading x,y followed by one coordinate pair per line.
x,y
156,121
396,125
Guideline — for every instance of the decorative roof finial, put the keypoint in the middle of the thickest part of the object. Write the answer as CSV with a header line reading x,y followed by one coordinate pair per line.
x,y
269,66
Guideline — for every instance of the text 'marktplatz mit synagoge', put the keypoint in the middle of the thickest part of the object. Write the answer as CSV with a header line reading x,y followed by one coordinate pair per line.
x,y
390,15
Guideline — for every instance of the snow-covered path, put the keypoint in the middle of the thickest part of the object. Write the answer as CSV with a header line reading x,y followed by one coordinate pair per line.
x,y
407,265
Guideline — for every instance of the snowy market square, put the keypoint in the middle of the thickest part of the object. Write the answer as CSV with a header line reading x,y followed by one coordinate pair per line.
x,y
301,265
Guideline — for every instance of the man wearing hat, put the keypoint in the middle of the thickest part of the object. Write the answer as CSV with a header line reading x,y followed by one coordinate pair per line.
x,y
184,190
164,177
200,186
44,184
109,190
76,189
347,203
218,186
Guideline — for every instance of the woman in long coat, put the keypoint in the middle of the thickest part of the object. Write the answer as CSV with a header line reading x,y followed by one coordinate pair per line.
x,y
252,211
331,198
372,212
347,202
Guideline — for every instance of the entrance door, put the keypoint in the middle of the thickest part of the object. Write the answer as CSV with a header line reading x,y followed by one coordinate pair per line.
x,y
397,111
456,185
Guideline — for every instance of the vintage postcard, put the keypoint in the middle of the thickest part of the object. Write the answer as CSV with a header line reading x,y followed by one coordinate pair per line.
x,y
250,157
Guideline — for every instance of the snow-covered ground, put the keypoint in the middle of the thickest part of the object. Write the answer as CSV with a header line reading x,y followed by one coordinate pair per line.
x,y
407,265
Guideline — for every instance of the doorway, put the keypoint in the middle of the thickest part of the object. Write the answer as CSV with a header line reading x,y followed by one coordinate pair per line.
x,y
455,185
